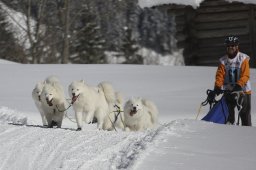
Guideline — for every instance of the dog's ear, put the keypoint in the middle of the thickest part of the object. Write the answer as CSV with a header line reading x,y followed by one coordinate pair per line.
x,y
144,102
39,83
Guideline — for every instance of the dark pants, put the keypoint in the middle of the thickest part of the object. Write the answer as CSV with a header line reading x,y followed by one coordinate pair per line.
x,y
245,112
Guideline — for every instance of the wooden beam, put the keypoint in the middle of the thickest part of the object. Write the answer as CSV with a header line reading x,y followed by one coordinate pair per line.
x,y
222,16
221,25
224,8
221,32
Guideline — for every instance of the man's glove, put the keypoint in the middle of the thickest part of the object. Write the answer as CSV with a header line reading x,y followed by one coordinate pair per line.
x,y
237,87
211,96
217,90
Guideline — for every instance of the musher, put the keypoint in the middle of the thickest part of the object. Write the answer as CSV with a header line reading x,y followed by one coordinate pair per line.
x,y
233,74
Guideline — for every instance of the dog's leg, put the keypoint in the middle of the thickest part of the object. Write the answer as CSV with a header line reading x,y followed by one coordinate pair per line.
x,y
44,121
99,114
79,120
89,117
49,125
59,124
49,120
100,124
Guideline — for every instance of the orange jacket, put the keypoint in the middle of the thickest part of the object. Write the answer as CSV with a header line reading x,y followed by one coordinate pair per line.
x,y
239,66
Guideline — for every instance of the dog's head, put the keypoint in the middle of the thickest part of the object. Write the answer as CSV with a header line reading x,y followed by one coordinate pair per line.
x,y
36,93
133,106
75,89
49,94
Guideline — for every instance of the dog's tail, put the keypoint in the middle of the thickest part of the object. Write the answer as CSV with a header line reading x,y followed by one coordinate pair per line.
x,y
119,99
152,109
108,91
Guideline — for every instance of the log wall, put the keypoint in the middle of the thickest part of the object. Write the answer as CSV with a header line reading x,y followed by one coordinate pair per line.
x,y
201,32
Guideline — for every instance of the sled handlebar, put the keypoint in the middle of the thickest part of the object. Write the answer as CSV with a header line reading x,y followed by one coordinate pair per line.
x,y
224,92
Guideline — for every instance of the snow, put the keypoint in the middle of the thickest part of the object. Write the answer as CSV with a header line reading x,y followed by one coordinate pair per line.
x,y
150,3
178,142
6,62
193,3
243,1
150,57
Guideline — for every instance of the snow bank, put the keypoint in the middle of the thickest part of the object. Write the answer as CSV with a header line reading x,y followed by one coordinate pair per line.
x,y
193,3
6,62
11,116
150,57
243,1
150,3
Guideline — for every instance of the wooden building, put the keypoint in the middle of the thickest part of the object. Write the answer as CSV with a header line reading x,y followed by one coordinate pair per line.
x,y
201,31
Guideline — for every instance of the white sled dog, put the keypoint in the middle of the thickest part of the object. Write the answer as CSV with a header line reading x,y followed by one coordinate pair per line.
x,y
89,102
36,95
140,114
53,102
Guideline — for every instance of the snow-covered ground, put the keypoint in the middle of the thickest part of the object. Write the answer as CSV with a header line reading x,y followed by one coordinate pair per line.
x,y
179,142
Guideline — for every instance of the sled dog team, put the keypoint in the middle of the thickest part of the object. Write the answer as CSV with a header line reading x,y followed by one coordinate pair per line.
x,y
99,102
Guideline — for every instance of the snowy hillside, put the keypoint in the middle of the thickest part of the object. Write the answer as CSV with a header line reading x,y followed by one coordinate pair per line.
x,y
178,142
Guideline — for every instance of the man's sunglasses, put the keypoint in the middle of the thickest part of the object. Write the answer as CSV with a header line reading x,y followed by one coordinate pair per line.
x,y
231,45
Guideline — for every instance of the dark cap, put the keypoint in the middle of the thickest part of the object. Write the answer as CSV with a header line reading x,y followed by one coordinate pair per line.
x,y
232,40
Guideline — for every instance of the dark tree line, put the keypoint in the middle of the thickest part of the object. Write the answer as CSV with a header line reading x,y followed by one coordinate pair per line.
x,y
82,31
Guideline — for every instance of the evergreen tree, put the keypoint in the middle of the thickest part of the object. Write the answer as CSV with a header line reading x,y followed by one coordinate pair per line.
x,y
88,45
130,48
156,31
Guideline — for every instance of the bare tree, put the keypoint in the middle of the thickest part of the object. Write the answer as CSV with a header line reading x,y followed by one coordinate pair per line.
x,y
66,33
9,48
34,31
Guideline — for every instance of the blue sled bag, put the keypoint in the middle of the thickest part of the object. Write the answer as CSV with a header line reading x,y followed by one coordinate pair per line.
x,y
218,113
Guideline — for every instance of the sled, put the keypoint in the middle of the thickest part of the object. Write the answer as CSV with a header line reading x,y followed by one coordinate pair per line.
x,y
218,113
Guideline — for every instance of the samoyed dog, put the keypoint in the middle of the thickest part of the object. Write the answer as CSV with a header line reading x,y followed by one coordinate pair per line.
x,y
90,101
36,95
140,114
54,103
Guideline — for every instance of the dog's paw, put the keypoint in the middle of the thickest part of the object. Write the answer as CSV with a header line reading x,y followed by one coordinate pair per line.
x,y
127,129
78,129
